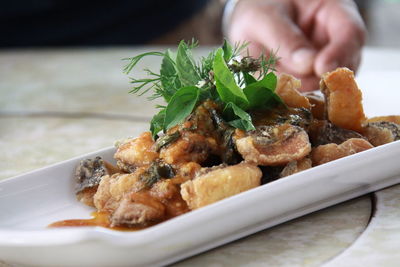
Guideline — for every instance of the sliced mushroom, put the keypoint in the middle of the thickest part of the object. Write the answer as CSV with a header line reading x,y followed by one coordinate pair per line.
x,y
325,153
382,132
274,145
324,132
88,175
343,99
220,183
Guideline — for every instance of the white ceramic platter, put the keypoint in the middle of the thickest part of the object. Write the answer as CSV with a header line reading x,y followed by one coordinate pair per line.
x,y
29,202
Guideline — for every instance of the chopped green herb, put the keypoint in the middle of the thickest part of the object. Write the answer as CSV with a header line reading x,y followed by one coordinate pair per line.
x,y
223,76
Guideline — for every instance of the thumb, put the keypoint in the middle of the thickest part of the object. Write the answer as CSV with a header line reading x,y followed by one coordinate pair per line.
x,y
277,30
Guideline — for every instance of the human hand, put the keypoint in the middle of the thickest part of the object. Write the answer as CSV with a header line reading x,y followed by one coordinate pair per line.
x,y
311,36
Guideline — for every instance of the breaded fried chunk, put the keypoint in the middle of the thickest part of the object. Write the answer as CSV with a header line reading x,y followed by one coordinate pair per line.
x,y
343,99
389,118
296,166
382,132
287,90
325,153
136,152
220,183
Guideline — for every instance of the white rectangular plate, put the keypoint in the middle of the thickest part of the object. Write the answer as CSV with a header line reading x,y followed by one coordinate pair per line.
x,y
29,202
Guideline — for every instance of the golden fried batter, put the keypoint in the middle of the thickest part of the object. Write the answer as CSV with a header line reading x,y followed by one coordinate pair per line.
x,y
220,183
136,152
274,145
343,99
325,153
287,90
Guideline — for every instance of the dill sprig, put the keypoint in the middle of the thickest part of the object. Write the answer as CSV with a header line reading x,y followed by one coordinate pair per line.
x,y
224,76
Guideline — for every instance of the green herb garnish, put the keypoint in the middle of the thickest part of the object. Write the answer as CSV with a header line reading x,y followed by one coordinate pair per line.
x,y
223,76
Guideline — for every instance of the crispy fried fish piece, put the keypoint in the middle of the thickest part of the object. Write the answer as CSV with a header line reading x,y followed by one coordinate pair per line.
x,y
129,202
220,183
343,99
274,145
296,166
287,90
382,132
389,118
136,152
112,188
325,153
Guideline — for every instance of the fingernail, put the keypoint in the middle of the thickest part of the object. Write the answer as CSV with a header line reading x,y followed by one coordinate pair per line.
x,y
303,59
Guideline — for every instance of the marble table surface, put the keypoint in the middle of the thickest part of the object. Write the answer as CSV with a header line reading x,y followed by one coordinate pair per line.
x,y
57,104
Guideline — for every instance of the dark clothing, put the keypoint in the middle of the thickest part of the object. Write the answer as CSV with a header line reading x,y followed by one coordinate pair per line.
x,y
89,22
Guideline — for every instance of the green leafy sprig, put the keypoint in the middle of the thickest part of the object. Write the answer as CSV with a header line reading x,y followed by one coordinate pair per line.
x,y
224,76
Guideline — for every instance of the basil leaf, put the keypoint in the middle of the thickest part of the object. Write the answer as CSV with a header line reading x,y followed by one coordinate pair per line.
x,y
226,85
237,117
169,76
248,78
261,93
180,106
157,123
185,66
228,51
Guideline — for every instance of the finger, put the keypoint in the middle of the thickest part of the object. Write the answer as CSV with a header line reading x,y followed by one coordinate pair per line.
x,y
346,34
274,29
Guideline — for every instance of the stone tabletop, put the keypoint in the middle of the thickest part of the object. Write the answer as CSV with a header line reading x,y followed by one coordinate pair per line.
x,y
57,104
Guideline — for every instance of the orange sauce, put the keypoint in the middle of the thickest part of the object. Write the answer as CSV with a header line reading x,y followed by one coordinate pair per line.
x,y
98,219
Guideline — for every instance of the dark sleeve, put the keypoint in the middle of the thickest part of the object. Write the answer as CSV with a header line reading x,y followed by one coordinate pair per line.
x,y
76,22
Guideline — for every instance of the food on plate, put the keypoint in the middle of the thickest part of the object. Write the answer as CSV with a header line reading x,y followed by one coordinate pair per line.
x,y
343,99
229,125
325,153
382,132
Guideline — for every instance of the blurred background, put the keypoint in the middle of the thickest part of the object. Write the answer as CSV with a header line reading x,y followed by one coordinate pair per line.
x,y
382,18
99,23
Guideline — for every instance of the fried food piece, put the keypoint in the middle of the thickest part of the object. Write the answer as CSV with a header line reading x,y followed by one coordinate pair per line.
x,y
88,175
138,208
382,132
130,202
323,132
274,145
287,90
112,188
390,118
325,153
136,152
317,105
301,117
296,166
188,171
343,99
161,202
220,183
190,147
